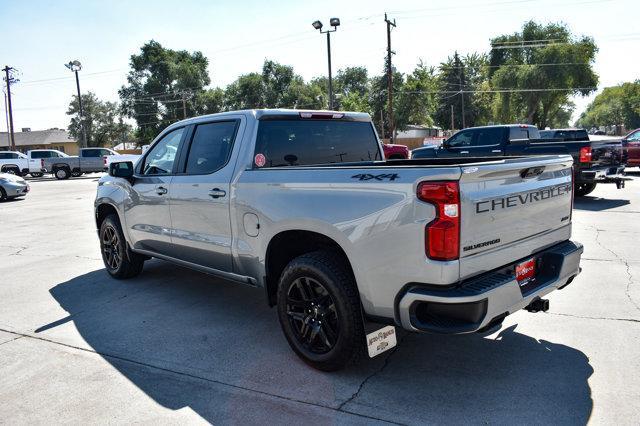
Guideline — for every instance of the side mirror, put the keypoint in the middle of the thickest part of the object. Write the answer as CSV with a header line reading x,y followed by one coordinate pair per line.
x,y
122,169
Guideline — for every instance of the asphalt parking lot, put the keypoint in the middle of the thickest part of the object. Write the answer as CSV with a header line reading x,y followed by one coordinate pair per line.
x,y
177,346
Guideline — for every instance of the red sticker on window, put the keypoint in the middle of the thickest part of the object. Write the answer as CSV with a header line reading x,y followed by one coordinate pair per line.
x,y
260,160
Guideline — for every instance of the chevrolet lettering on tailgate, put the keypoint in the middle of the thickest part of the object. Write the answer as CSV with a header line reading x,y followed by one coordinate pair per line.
x,y
524,198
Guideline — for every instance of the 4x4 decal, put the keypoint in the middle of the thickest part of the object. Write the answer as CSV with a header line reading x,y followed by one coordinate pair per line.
x,y
385,176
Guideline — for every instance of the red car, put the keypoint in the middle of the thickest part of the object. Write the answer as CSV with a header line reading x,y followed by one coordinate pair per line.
x,y
395,152
632,143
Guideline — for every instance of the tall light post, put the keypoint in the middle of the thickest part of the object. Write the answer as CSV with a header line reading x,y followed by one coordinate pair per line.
x,y
335,23
76,66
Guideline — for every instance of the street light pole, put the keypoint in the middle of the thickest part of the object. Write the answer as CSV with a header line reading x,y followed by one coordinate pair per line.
x,y
335,23
329,62
76,66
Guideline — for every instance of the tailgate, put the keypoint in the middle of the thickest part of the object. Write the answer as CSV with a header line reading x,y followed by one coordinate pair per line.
x,y
512,208
604,153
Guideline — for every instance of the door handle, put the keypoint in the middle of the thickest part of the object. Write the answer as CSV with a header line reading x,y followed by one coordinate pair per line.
x,y
464,152
161,190
217,193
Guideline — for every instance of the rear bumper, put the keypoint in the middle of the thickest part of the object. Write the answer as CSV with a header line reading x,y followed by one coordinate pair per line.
x,y
479,302
613,174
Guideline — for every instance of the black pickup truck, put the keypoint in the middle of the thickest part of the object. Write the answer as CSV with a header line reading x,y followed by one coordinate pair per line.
x,y
594,161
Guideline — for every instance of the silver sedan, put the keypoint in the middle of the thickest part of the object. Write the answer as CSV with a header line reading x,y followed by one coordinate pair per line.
x,y
12,186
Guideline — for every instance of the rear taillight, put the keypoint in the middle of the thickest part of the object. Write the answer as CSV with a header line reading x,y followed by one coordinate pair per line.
x,y
585,154
442,235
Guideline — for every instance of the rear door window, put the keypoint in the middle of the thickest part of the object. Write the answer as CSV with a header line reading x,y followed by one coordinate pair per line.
x,y
210,147
305,142
525,132
487,137
91,153
41,154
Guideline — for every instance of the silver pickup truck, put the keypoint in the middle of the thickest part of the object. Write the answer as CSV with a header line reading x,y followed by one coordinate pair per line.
x,y
89,160
303,205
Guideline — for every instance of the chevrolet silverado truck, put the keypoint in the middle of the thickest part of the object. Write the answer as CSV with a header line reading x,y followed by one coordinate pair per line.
x,y
21,164
302,205
594,161
90,160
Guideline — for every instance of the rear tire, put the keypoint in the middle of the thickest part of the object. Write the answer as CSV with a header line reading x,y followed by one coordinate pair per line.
x,y
76,174
119,261
319,311
583,189
12,171
36,175
62,173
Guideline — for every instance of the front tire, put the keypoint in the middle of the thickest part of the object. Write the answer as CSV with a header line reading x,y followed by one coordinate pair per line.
x,y
36,175
120,262
3,194
319,311
583,189
76,174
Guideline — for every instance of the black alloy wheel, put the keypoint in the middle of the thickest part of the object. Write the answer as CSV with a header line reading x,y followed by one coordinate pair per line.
x,y
111,247
312,315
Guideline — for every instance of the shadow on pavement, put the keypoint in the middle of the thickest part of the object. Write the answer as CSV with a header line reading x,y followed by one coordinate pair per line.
x,y
53,179
597,204
171,320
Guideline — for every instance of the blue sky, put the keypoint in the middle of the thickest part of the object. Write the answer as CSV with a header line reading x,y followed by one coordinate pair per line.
x,y
238,36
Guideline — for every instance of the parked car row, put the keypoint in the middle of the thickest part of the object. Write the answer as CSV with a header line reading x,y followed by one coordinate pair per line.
x,y
38,162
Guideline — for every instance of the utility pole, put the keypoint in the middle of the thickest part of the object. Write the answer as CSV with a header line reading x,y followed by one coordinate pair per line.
x,y
453,124
6,116
9,79
390,77
460,71
184,106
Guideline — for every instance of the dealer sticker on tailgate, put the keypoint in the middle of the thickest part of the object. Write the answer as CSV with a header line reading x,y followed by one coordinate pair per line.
x,y
381,340
526,272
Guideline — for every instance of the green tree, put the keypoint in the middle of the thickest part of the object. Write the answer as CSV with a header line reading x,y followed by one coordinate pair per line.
x,y
103,124
161,87
452,82
417,102
276,87
615,105
244,93
378,100
548,63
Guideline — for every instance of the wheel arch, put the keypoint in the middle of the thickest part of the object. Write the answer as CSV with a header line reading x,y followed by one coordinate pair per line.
x,y
103,210
287,245
9,167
